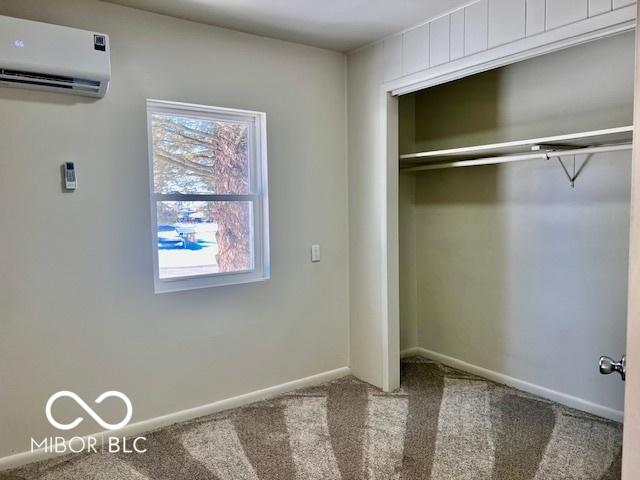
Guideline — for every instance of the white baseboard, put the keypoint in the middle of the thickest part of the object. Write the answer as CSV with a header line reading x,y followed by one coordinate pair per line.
x,y
144,426
563,398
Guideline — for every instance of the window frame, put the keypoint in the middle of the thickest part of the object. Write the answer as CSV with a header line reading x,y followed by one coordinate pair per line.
x,y
258,196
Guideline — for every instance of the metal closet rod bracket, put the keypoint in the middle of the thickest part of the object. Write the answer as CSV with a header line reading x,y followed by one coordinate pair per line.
x,y
549,149
587,151
574,173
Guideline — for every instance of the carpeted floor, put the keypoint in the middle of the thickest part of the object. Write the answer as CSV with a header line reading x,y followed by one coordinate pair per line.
x,y
443,425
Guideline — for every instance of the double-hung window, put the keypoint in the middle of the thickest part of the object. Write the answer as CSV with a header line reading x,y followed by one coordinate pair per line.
x,y
208,181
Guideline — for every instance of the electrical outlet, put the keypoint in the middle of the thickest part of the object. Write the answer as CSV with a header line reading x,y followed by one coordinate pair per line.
x,y
315,253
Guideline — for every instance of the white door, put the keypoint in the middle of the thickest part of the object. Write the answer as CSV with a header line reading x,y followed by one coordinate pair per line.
x,y
631,442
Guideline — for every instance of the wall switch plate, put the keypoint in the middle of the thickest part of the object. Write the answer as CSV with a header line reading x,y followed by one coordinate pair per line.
x,y
315,253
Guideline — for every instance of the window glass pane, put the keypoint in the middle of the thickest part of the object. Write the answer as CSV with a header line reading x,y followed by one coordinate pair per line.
x,y
193,155
203,238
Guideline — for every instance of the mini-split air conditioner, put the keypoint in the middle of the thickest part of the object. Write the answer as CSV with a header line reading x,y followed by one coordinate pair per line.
x,y
51,57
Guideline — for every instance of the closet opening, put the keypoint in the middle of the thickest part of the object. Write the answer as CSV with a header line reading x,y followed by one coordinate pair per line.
x,y
514,241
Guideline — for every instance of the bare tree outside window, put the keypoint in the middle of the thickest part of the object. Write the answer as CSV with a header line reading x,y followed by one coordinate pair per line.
x,y
199,157
204,192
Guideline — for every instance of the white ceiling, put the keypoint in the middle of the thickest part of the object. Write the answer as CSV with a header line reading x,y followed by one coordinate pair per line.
x,y
334,24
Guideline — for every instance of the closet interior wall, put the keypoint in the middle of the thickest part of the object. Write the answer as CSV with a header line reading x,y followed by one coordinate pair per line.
x,y
506,267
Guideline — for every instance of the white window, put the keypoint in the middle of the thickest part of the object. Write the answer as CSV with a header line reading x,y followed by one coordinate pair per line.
x,y
208,180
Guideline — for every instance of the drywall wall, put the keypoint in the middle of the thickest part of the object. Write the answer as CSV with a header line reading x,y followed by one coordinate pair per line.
x,y
77,308
515,271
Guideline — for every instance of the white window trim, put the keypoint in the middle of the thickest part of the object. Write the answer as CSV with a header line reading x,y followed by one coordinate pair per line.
x,y
259,197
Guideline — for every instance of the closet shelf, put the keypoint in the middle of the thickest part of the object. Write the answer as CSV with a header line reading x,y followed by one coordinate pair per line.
x,y
582,143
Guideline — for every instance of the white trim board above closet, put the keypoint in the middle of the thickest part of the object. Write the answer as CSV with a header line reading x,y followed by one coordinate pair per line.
x,y
486,34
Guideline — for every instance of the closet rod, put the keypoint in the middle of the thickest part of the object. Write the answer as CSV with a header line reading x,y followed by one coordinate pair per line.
x,y
521,157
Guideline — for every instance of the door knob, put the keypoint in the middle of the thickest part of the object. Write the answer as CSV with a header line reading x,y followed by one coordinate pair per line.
x,y
608,365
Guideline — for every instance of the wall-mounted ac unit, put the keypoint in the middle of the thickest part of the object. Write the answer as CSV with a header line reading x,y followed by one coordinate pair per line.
x,y
51,57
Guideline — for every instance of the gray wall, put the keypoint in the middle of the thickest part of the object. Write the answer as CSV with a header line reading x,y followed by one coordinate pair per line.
x,y
515,271
77,308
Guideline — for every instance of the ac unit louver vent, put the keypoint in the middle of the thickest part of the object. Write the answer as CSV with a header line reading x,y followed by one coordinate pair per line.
x,y
44,80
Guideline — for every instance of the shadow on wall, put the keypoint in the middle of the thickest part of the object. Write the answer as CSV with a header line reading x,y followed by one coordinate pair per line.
x,y
459,113
461,273
515,270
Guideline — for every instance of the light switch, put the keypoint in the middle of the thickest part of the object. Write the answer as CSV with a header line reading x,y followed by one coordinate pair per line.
x,y
315,253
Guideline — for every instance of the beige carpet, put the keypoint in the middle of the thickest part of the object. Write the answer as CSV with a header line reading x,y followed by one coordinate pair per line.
x,y
442,425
